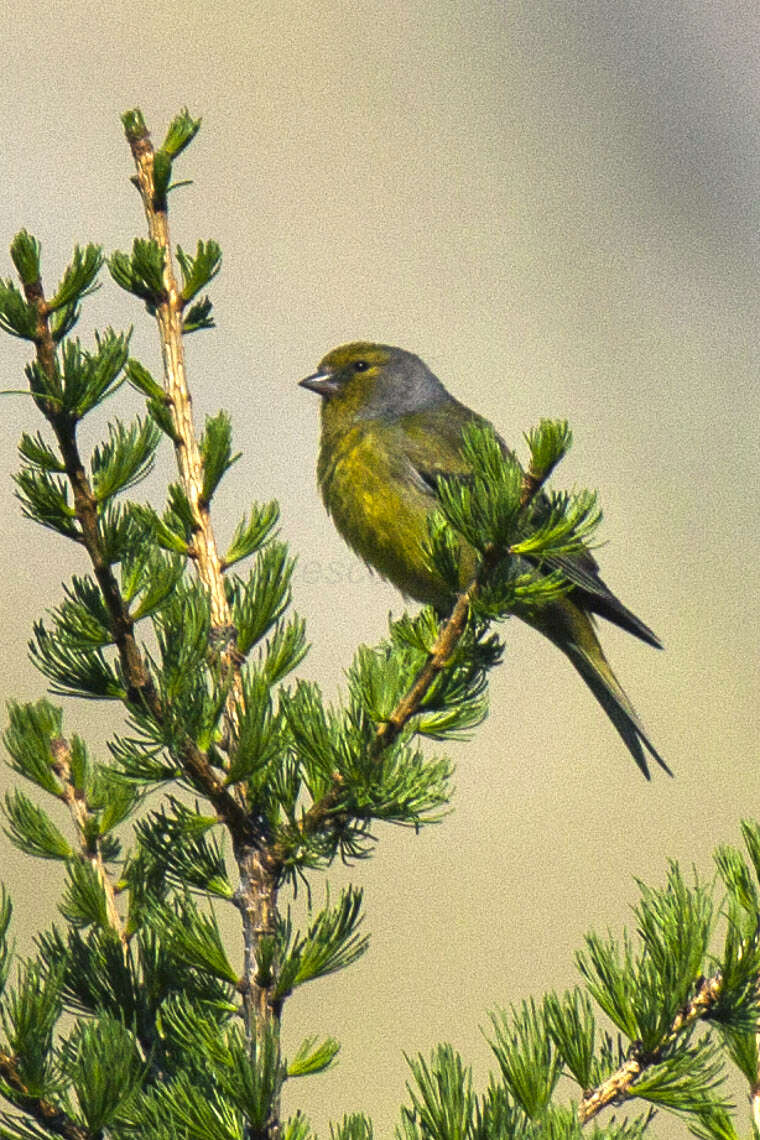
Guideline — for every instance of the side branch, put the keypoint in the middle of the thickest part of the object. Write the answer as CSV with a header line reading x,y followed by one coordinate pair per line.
x,y
410,704
620,1086
141,691
169,309
80,813
140,688
438,658
449,636
169,316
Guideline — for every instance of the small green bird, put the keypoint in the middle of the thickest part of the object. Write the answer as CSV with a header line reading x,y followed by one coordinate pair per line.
x,y
389,430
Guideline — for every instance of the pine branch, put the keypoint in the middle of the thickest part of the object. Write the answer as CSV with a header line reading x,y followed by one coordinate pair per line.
x,y
168,310
141,690
327,808
81,814
259,872
140,685
620,1086
46,1114
153,172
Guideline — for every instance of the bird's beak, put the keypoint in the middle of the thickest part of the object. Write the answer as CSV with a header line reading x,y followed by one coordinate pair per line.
x,y
323,383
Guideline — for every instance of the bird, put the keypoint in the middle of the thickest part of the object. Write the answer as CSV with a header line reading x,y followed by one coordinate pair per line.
x,y
389,430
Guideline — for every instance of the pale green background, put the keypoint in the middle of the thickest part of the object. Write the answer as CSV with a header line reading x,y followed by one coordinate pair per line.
x,y
555,204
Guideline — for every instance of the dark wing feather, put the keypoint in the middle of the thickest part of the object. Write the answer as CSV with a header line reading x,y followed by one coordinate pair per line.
x,y
594,595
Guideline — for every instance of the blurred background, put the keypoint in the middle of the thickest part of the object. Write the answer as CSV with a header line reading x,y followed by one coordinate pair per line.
x,y
556,206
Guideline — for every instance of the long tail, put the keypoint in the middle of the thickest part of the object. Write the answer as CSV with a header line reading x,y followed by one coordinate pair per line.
x,y
571,630
606,688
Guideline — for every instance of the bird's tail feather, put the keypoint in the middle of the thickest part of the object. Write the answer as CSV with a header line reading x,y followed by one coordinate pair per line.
x,y
598,675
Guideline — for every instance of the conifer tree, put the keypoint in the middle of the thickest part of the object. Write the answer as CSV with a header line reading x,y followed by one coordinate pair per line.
x,y
170,1033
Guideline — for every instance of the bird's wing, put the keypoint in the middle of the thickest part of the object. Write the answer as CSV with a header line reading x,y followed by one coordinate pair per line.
x,y
594,595
591,591
432,444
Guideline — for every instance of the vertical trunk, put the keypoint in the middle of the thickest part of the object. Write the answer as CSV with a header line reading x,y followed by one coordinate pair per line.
x,y
257,901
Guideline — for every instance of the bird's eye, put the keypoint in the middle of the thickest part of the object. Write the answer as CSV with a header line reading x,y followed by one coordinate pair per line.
x,y
361,366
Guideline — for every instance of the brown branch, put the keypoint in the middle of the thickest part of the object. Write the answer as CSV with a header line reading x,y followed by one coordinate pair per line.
x,y
438,658
81,815
46,1114
620,1086
140,689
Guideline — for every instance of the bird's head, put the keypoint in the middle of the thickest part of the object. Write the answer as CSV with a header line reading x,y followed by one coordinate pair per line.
x,y
362,380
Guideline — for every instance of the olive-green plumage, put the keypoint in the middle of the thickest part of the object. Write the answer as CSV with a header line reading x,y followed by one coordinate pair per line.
x,y
389,429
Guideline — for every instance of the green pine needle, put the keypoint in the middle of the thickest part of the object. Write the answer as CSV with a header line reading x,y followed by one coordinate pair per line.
x,y
251,533
549,443
29,1016
570,1022
260,600
142,272
32,830
198,317
17,318
37,453
44,498
25,254
198,271
74,670
182,130
79,279
197,941
84,901
216,453
525,1053
32,727
125,459
313,1056
443,1100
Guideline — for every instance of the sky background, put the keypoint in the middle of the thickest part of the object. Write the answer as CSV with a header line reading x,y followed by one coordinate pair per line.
x,y
555,205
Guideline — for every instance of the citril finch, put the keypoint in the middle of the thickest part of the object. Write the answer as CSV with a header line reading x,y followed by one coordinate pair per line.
x,y
390,429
